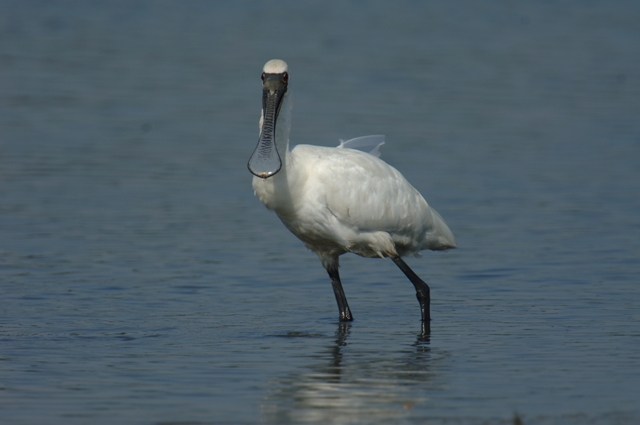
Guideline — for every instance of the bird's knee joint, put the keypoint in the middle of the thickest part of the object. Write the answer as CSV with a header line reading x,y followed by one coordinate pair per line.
x,y
423,295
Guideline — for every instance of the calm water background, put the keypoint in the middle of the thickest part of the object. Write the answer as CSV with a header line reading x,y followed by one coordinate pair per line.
x,y
142,283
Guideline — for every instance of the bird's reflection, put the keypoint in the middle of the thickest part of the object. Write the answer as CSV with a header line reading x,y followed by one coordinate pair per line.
x,y
346,382
335,368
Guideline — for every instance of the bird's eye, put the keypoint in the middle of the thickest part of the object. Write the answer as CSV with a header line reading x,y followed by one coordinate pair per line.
x,y
262,77
285,77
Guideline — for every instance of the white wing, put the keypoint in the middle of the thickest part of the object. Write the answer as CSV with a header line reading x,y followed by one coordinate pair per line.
x,y
367,195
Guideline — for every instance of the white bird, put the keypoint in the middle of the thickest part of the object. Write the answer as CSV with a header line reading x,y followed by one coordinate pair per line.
x,y
339,200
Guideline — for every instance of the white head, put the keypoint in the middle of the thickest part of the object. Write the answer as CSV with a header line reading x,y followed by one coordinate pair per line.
x,y
275,66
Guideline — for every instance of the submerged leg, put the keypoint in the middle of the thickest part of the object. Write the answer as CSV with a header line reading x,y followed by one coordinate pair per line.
x,y
343,306
422,289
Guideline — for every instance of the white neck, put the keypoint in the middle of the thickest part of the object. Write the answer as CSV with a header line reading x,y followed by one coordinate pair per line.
x,y
283,128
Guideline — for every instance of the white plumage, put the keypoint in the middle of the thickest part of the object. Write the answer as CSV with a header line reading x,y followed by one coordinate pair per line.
x,y
339,200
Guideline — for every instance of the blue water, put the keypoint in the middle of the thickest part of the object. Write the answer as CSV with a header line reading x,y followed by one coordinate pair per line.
x,y
142,283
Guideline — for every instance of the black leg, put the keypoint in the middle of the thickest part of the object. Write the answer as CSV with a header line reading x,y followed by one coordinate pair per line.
x,y
343,306
422,290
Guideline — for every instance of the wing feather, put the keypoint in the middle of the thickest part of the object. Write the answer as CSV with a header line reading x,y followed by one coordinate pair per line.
x,y
368,195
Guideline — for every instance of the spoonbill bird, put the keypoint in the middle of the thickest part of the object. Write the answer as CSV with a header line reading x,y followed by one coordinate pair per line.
x,y
338,200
